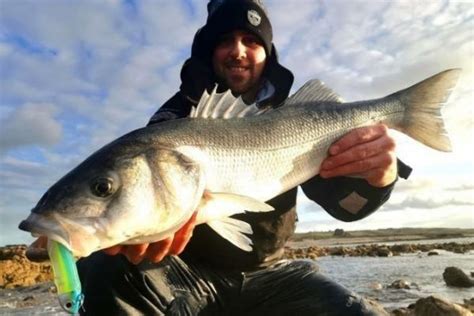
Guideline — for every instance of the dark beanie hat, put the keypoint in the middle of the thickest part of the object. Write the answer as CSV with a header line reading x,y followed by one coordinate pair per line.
x,y
228,15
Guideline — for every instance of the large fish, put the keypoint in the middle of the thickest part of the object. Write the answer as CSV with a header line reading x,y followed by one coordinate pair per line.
x,y
224,159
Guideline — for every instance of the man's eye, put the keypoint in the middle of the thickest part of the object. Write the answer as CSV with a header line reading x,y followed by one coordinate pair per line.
x,y
251,41
225,40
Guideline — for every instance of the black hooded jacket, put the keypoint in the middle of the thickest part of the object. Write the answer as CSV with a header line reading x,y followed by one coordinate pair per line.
x,y
347,199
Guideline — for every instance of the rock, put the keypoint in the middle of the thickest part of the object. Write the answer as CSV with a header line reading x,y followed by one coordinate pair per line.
x,y
339,232
16,270
28,298
469,304
425,247
8,252
403,311
437,306
339,251
376,286
376,307
400,284
372,250
384,252
404,248
456,277
433,253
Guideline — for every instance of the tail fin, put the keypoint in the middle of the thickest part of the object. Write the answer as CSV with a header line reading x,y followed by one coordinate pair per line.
x,y
423,103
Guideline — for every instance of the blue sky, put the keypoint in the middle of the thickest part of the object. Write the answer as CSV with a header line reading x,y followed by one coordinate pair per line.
x,y
77,74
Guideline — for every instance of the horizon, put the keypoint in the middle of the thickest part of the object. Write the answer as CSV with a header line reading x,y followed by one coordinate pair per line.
x,y
332,231
75,76
390,228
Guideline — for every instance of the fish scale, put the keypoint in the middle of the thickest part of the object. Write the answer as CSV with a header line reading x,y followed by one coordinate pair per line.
x,y
144,186
278,150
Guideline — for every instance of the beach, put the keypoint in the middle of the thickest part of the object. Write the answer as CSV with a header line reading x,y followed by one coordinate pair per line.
x,y
367,265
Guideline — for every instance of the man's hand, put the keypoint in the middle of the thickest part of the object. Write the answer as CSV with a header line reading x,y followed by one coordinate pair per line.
x,y
366,152
37,251
155,252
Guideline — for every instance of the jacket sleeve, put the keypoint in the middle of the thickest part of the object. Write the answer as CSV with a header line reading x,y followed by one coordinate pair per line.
x,y
176,107
350,199
195,78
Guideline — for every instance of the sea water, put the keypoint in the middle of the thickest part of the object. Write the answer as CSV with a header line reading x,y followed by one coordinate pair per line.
x,y
371,276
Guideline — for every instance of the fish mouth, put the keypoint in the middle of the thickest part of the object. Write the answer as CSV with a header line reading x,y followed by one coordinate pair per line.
x,y
41,225
76,235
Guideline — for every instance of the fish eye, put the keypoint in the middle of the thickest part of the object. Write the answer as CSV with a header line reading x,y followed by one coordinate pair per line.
x,y
103,187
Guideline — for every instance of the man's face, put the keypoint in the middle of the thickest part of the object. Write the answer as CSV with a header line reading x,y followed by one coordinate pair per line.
x,y
239,60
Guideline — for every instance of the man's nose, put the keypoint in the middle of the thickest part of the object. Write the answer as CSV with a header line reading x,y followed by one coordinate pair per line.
x,y
238,50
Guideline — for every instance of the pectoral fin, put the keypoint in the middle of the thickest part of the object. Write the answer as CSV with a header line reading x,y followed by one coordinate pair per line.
x,y
215,209
218,205
234,231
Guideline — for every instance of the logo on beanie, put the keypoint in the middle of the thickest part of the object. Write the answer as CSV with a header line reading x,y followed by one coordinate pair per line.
x,y
253,17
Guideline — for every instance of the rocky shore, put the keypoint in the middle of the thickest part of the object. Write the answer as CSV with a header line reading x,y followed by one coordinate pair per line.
x,y
374,250
25,283
18,271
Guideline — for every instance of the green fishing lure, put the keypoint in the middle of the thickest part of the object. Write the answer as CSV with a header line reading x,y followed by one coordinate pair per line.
x,y
66,277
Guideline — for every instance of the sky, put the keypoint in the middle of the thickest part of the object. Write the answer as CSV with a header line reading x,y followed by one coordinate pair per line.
x,y
74,75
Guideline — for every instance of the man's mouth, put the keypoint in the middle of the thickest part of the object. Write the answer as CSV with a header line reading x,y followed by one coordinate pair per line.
x,y
237,69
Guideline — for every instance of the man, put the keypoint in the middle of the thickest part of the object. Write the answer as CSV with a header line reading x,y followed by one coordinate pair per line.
x,y
211,276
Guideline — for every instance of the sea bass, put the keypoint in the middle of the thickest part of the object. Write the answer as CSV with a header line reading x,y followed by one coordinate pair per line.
x,y
226,158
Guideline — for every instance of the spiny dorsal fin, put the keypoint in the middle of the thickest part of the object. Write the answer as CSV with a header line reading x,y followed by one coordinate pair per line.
x,y
312,91
223,105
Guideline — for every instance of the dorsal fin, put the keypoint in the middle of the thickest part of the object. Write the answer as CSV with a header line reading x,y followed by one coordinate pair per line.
x,y
223,105
314,90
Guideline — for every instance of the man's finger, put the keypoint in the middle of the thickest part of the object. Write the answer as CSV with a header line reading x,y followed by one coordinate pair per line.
x,y
357,136
158,250
37,251
112,251
41,242
183,235
136,253
179,243
360,166
360,152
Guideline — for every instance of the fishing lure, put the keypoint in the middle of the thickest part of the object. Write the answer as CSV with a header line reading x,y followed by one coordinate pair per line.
x,y
66,277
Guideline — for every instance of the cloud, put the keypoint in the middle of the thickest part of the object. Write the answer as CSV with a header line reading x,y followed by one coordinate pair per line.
x,y
460,217
94,70
432,192
113,64
419,203
369,51
65,25
30,124
22,184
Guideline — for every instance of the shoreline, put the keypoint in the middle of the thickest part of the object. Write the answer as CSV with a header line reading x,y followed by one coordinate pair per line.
x,y
348,241
26,286
17,270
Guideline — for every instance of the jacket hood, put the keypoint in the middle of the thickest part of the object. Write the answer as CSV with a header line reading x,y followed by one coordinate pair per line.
x,y
198,68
